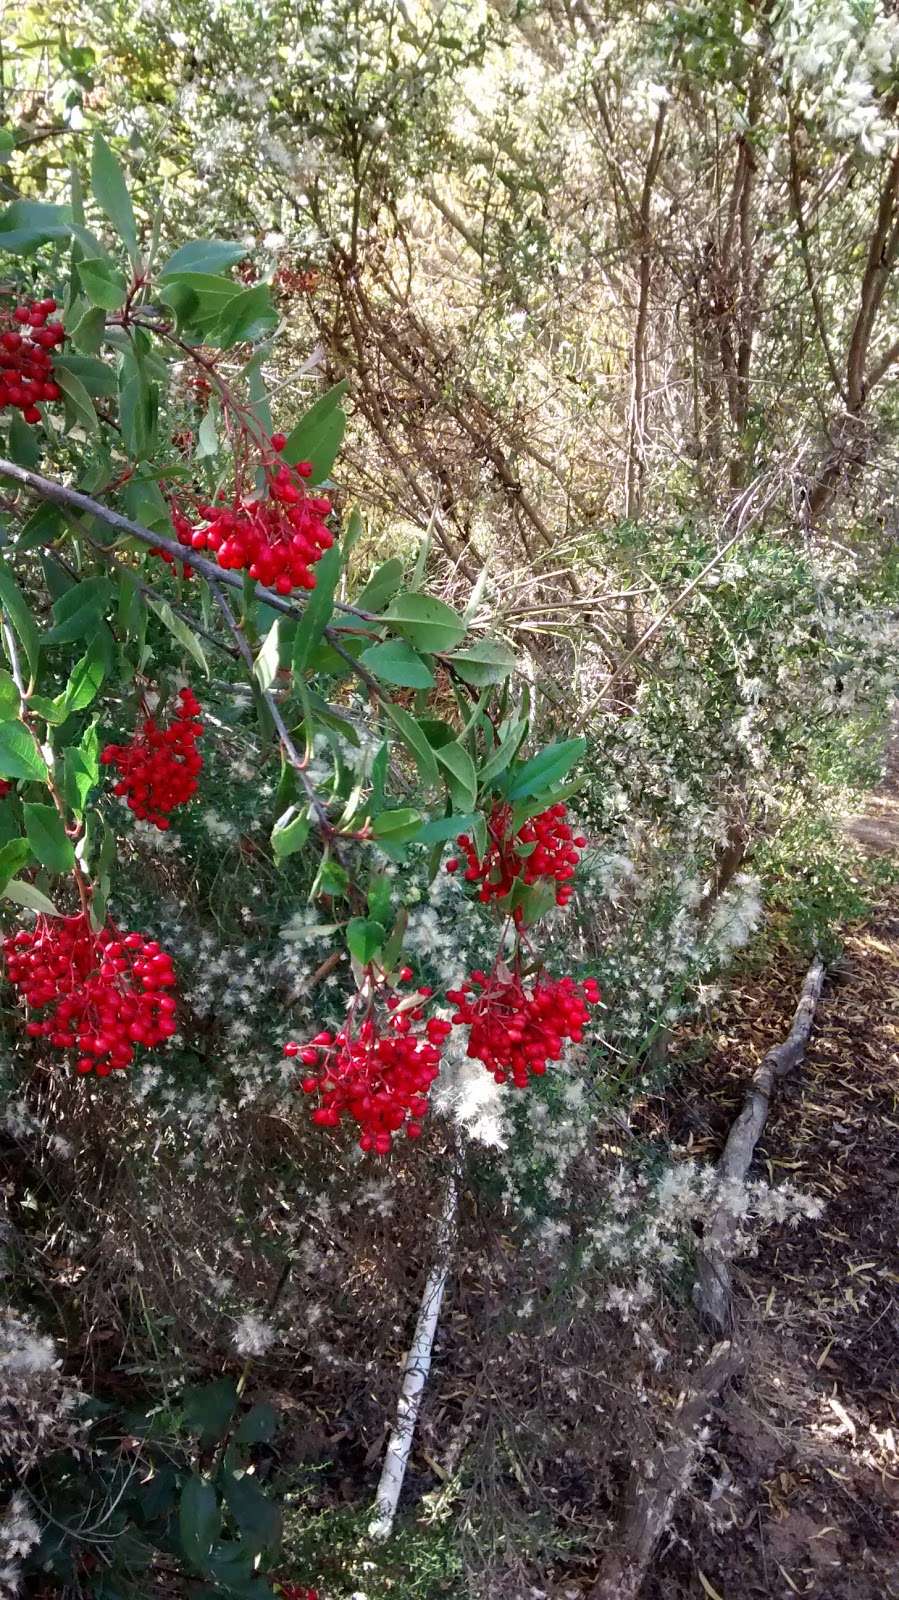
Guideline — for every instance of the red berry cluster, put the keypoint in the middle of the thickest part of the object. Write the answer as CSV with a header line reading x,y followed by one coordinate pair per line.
x,y
160,766
551,852
515,1032
103,992
5,788
378,1073
26,366
276,537
296,1591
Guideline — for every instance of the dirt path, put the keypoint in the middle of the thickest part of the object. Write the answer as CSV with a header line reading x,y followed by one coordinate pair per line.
x,y
802,1495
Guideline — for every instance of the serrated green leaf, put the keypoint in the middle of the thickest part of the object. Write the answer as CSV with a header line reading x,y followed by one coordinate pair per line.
x,y
19,754
265,667
208,1407
25,894
103,284
203,255
319,608
427,623
85,680
290,832
247,316
381,586
257,1517
486,661
199,1520
10,701
439,829
415,740
13,855
258,1426
318,435
24,442
79,610
180,631
78,404
364,938
396,826
396,662
542,770
460,774
47,837
81,770
503,754
111,194
16,606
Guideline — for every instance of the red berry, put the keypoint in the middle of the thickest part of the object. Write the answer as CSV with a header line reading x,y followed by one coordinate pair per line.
x,y
97,989
160,767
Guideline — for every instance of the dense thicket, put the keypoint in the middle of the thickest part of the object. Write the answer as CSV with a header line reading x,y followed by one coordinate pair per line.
x,y
606,297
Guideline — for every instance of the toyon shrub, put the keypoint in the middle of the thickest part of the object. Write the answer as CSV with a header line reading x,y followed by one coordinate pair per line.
x,y
159,767
26,365
103,993
516,1031
377,1072
543,849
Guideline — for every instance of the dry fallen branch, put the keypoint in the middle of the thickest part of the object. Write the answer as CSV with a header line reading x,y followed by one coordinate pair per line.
x,y
415,1373
713,1284
654,1489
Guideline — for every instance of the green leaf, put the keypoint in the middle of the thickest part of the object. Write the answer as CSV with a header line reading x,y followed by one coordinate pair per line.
x,y
257,1517
258,1426
85,680
24,442
180,631
13,855
111,194
396,662
7,144
381,586
318,435
87,331
43,526
199,1520
439,829
203,255
10,701
319,607
98,377
79,406
503,754
379,897
247,316
103,283
364,938
265,668
415,741
485,661
81,770
14,603
290,832
397,826
209,1407
25,894
461,777
425,622
26,224
543,769
47,837
19,754
77,612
